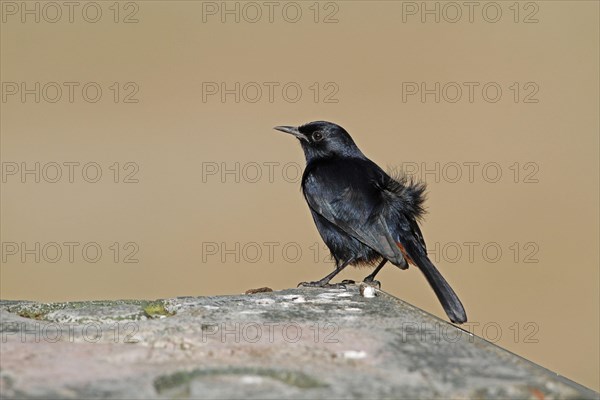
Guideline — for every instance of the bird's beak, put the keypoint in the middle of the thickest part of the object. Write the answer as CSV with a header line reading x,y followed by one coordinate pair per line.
x,y
292,130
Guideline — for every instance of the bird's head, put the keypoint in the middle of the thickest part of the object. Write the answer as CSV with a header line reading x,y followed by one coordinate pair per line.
x,y
322,139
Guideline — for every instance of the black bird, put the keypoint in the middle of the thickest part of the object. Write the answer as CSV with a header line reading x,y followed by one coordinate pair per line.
x,y
365,216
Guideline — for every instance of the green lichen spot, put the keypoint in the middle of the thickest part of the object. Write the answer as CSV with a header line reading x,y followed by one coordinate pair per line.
x,y
37,311
156,309
32,314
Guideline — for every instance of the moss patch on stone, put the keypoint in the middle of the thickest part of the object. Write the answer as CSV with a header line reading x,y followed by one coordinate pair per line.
x,y
37,311
156,309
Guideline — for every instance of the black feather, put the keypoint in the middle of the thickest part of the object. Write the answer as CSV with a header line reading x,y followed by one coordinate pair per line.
x,y
408,192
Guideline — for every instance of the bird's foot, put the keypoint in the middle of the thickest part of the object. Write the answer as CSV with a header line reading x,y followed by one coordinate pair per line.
x,y
323,284
348,282
372,282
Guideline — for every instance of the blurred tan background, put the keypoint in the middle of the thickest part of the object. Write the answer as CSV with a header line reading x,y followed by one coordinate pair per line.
x,y
205,196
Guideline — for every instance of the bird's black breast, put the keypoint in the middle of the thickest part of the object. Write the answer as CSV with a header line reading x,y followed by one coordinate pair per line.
x,y
350,187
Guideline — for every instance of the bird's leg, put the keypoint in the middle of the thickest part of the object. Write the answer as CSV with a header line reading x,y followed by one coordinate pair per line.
x,y
371,278
325,281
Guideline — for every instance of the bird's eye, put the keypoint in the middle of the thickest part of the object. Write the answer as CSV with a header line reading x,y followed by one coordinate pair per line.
x,y
317,136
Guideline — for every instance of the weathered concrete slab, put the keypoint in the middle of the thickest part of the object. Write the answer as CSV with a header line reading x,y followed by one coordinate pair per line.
x,y
301,344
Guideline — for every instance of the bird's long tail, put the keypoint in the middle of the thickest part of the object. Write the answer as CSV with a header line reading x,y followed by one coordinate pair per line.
x,y
452,305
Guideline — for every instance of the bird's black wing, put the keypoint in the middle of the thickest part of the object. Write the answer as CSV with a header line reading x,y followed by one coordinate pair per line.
x,y
346,192
356,196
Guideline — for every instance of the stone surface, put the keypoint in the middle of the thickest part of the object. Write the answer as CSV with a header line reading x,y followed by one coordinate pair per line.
x,y
300,343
